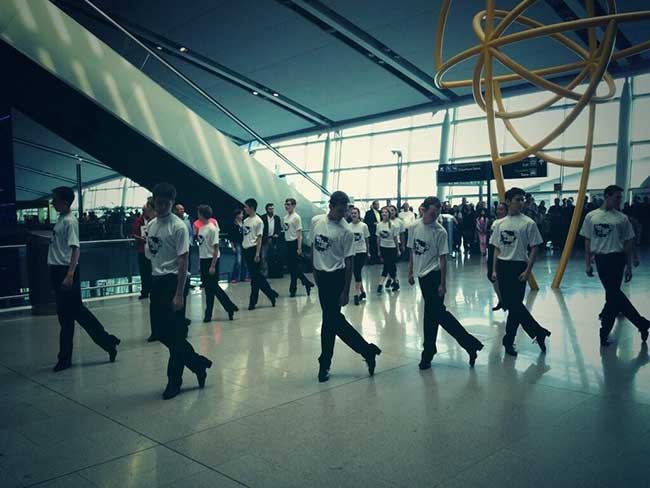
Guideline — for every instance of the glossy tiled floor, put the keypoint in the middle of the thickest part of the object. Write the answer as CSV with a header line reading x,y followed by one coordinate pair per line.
x,y
578,416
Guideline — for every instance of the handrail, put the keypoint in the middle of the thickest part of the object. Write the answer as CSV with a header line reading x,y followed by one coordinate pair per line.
x,y
13,246
208,97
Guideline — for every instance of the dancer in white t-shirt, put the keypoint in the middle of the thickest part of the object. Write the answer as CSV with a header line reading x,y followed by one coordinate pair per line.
x,y
361,252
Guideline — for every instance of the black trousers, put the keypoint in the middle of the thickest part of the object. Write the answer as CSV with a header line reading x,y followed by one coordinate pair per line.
x,y
610,271
293,266
374,256
330,287
258,282
212,288
435,314
144,265
171,330
389,255
512,297
70,308
359,262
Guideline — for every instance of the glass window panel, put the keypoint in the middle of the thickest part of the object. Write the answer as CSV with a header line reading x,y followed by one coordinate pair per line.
x,y
358,130
471,139
420,180
315,152
296,154
425,144
640,126
354,183
401,123
383,145
382,182
469,112
428,118
642,84
355,152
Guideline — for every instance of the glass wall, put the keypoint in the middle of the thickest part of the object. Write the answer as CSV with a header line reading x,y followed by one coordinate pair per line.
x,y
362,162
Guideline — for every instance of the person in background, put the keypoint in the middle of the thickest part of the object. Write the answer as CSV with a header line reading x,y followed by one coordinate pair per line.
x,y
371,219
361,252
292,226
481,230
555,218
168,248
208,239
332,254
428,244
609,238
270,238
252,245
388,250
63,261
511,237
500,212
179,211
236,236
139,233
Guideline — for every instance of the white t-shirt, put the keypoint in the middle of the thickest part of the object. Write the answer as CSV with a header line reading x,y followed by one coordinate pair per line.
x,y
408,218
387,234
607,230
64,235
167,238
291,225
513,234
361,233
207,238
253,228
428,242
332,241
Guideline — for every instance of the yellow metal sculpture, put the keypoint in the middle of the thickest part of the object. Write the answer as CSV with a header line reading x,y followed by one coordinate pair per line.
x,y
590,70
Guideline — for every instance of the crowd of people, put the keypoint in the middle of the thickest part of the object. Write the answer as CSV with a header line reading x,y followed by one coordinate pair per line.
x,y
339,250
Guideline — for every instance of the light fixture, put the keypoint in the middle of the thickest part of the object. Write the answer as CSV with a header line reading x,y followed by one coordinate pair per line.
x,y
159,48
276,94
183,49
255,93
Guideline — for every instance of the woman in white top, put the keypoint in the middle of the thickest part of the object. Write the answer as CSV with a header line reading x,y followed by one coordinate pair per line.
x,y
388,246
361,252
208,239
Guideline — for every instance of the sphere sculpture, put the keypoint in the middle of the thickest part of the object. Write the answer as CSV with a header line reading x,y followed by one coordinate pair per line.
x,y
590,70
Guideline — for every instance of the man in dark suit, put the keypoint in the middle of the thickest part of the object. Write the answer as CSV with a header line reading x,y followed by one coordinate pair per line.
x,y
270,239
371,219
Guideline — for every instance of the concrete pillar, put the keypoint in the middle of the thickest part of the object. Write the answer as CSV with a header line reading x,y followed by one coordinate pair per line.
x,y
623,160
444,150
326,164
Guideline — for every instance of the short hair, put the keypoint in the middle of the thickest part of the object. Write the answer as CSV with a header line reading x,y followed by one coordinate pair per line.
x,y
428,201
251,202
266,207
291,201
149,202
611,189
205,211
513,192
339,198
166,191
237,211
64,193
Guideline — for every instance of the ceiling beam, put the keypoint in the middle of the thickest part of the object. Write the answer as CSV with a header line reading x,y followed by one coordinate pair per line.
x,y
46,174
338,26
204,63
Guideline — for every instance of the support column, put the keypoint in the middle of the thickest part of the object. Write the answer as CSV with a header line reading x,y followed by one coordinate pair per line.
x,y
444,150
326,164
623,160
79,190
8,219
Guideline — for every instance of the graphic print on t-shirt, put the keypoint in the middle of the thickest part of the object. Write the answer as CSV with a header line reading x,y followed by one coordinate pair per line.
x,y
247,230
384,234
420,247
357,237
508,237
602,230
285,226
155,244
321,243
200,238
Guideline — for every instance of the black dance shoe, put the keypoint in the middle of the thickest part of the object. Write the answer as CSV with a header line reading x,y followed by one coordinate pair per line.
x,y
362,296
541,339
371,358
112,352
171,391
202,373
357,300
61,365
473,355
323,375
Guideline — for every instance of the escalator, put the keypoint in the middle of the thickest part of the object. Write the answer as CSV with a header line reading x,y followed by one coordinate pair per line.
x,y
66,79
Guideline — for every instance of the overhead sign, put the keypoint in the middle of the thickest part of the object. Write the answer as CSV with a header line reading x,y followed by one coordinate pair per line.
x,y
475,173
